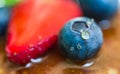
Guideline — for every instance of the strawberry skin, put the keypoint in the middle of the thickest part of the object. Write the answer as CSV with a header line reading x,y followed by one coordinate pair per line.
x,y
34,27
33,51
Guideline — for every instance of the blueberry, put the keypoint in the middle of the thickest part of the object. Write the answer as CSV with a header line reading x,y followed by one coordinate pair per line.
x,y
80,38
4,19
99,9
105,24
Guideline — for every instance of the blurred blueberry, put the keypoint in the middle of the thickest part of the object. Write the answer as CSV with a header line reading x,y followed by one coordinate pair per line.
x,y
105,24
80,39
4,19
99,9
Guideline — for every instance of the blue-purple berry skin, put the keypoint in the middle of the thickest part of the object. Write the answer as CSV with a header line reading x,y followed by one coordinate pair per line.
x,y
80,39
99,9
4,19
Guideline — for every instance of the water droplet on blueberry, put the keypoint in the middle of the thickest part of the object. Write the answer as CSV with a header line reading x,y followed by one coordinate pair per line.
x,y
79,46
71,48
85,34
89,22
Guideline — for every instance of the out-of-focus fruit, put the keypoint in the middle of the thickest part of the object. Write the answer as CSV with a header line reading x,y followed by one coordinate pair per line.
x,y
99,9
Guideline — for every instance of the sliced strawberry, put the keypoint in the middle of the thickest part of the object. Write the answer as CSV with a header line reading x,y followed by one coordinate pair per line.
x,y
34,27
